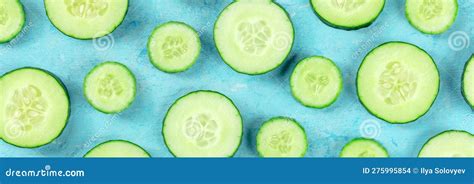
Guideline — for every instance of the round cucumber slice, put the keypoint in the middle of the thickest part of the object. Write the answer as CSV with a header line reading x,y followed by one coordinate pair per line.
x,y
316,82
281,137
110,87
451,143
34,107
397,82
203,124
431,16
468,82
117,148
84,19
174,47
253,36
12,19
348,14
362,147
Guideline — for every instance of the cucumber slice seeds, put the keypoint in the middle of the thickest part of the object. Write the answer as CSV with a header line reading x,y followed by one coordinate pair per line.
x,y
281,137
174,47
431,16
12,19
117,148
451,143
362,147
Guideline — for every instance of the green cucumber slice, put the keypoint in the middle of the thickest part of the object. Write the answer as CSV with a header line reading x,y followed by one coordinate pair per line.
x,y
12,19
362,147
468,82
253,36
451,143
203,124
110,87
86,19
431,16
281,137
34,107
174,47
397,82
316,82
117,148
348,14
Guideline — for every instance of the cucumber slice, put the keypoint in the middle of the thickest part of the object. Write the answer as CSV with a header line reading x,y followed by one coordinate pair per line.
x,y
253,36
84,19
431,16
468,82
12,19
34,107
316,82
174,47
362,147
117,148
348,14
281,137
397,82
203,124
110,87
451,143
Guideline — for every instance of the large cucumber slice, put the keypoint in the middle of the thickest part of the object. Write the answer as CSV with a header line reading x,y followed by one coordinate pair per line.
x,y
397,82
348,14
362,147
117,148
203,124
34,107
174,47
86,19
110,87
281,137
316,82
468,82
431,16
12,19
253,36
451,143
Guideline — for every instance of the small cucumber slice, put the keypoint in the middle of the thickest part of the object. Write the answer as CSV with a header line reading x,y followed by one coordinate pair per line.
x,y
397,82
174,47
348,14
12,19
451,143
431,16
117,148
253,36
281,137
34,107
86,19
203,124
110,87
362,147
468,82
316,82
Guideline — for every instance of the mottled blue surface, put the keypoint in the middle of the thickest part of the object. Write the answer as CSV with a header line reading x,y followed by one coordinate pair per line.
x,y
257,97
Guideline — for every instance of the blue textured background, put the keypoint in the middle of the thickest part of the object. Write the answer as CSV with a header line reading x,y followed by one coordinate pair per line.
x,y
257,97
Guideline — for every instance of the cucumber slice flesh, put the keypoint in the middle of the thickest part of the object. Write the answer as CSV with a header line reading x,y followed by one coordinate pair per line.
x,y
253,37
86,19
117,148
35,107
397,82
348,14
12,19
316,82
431,17
361,147
203,124
110,87
468,82
281,137
174,47
451,143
